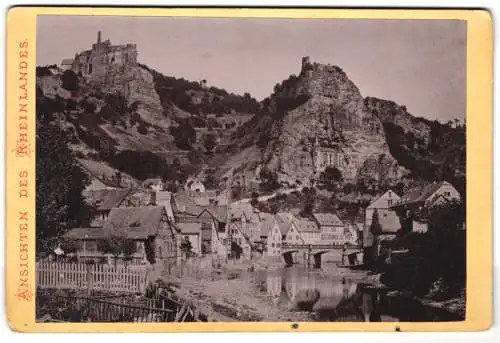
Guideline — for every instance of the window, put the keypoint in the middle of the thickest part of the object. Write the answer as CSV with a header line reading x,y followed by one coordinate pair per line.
x,y
272,245
389,202
447,194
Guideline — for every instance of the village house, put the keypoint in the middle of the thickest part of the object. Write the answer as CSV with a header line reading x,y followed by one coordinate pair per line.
x,y
411,204
235,235
192,233
103,201
194,185
331,227
154,184
353,232
388,220
293,236
156,238
218,241
309,231
274,239
265,226
185,210
250,224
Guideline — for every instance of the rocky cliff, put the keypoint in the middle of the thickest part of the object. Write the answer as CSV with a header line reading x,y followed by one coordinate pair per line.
x,y
429,149
321,113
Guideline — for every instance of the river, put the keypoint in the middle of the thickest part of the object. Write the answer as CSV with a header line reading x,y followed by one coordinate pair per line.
x,y
329,297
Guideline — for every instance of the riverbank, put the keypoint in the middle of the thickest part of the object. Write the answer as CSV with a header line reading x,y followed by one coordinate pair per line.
x,y
455,305
233,292
237,299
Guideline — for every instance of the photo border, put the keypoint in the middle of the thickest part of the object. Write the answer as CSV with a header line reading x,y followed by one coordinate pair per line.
x,y
21,161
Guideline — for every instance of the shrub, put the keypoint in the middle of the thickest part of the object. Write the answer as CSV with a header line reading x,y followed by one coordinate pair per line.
x,y
69,81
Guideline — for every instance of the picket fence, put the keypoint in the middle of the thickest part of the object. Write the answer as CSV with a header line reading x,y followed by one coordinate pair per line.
x,y
102,277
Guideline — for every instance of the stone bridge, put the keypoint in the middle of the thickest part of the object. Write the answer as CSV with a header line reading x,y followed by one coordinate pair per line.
x,y
312,253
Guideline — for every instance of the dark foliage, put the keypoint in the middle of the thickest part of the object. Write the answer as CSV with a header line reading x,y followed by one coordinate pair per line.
x,y
116,245
139,164
184,135
268,180
443,158
43,71
330,177
375,227
436,256
69,81
236,250
215,100
209,141
59,185
186,247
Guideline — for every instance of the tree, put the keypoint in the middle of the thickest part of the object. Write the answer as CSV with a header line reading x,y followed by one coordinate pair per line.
x,y
184,135
69,81
309,200
172,187
236,250
268,180
186,247
211,181
209,142
375,227
254,202
274,208
330,177
117,244
59,185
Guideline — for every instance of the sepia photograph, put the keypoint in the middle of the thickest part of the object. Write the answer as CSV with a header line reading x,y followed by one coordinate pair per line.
x,y
205,169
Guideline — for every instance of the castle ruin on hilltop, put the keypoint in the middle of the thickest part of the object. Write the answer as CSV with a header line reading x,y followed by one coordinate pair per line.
x,y
102,58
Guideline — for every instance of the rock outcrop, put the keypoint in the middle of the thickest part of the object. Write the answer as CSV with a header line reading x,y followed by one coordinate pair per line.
x,y
321,114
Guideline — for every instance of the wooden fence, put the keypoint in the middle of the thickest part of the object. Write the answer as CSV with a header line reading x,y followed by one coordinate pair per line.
x,y
117,310
119,278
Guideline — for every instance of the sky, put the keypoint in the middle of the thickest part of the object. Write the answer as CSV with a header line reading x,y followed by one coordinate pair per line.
x,y
417,63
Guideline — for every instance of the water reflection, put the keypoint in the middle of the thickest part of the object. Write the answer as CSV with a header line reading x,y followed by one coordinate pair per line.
x,y
301,289
340,299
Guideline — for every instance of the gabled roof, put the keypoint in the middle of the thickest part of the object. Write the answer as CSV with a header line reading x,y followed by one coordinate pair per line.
x,y
106,199
420,193
133,222
284,221
189,228
67,61
327,219
182,200
389,194
237,209
304,225
135,219
217,212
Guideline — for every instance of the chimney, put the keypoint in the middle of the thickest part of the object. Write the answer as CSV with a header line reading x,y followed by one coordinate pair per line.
x,y
99,37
